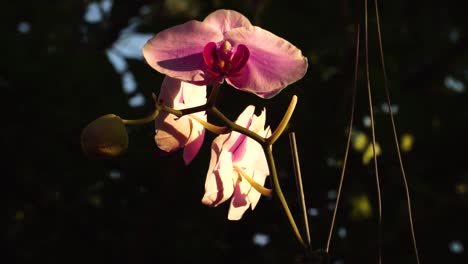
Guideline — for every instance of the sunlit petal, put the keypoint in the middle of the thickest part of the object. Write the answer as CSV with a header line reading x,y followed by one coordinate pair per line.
x,y
226,46
219,184
274,63
232,156
225,20
173,133
177,51
239,204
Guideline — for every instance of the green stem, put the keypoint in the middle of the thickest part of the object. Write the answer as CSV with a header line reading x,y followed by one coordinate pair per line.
x,y
236,127
143,120
209,104
210,127
271,164
284,122
160,107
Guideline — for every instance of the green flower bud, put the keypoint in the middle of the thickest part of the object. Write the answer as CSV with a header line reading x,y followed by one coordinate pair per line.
x,y
105,137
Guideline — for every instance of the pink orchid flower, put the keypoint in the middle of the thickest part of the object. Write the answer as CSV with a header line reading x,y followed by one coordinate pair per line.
x,y
173,133
238,167
226,46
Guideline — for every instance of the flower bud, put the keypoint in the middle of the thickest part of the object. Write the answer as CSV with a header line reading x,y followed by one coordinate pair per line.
x,y
105,137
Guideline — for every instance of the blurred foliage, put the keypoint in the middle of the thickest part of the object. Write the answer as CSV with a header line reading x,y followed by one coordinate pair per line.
x,y
142,207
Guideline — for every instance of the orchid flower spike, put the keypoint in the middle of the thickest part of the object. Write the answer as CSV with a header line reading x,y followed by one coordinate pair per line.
x,y
238,167
226,46
173,133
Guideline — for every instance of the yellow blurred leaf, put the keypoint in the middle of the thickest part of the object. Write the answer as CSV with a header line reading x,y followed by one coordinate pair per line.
x,y
407,141
360,141
369,153
360,207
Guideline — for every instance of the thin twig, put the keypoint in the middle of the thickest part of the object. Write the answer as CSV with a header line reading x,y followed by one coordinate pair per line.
x,y
348,143
376,170
395,135
297,173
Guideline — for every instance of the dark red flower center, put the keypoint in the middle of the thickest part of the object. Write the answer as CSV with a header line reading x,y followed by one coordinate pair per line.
x,y
225,60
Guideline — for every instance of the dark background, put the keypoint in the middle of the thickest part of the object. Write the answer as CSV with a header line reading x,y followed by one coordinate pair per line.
x,y
61,207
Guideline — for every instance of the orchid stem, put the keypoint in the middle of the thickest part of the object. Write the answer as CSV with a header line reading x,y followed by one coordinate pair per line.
x,y
259,188
210,127
284,122
143,120
271,164
236,127
187,111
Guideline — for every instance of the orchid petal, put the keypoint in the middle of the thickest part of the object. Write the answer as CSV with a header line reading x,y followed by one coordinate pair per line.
x,y
232,155
274,63
194,143
192,95
239,204
251,158
243,120
254,195
258,123
173,133
218,185
225,20
177,51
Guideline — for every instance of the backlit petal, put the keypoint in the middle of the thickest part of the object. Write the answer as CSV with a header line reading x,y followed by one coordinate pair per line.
x,y
243,120
274,63
219,185
254,195
173,133
192,95
177,51
194,143
239,204
225,20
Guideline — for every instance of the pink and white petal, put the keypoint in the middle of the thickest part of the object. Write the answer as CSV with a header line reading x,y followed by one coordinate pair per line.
x,y
218,184
167,137
216,147
239,149
171,92
225,20
254,157
244,120
172,133
177,51
193,95
194,143
239,204
274,63
244,185
254,195
259,174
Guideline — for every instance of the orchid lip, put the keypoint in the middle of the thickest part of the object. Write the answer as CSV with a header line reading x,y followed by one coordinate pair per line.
x,y
223,59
